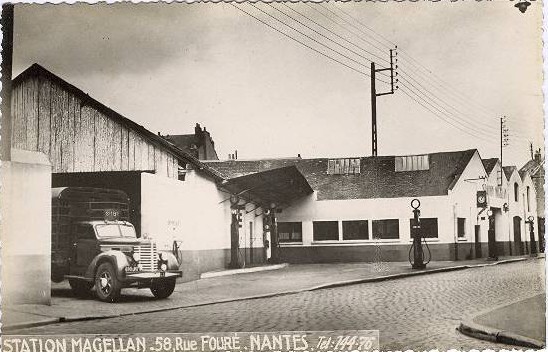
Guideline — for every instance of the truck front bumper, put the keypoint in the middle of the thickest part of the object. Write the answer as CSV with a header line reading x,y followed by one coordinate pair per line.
x,y
154,275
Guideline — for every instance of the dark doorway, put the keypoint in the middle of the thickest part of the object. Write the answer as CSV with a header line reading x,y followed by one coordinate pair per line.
x,y
127,181
517,235
477,241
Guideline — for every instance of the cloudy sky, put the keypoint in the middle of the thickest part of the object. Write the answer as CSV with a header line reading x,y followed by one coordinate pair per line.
x,y
462,65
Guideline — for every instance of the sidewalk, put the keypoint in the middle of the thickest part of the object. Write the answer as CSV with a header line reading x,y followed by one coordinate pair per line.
x,y
286,280
522,323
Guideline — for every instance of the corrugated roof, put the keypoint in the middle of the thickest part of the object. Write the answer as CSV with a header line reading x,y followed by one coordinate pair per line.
x,y
534,168
35,70
489,164
378,178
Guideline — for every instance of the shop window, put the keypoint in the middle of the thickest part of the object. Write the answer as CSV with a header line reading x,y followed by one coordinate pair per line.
x,y
325,230
355,230
386,229
290,231
429,227
461,227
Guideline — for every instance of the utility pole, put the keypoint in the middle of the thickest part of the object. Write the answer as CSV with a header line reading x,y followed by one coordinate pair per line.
x,y
503,142
374,94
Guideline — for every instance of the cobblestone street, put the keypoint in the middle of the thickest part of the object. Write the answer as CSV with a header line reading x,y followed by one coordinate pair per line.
x,y
416,312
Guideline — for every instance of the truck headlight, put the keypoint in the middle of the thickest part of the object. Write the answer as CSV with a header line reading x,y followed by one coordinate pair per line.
x,y
163,267
136,256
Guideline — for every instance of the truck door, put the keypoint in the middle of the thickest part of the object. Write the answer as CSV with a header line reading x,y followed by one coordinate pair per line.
x,y
84,248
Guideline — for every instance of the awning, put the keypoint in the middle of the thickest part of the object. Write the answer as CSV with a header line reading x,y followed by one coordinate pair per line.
x,y
280,186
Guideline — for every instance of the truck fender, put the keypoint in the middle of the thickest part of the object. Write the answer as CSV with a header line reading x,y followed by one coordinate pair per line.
x,y
172,263
116,258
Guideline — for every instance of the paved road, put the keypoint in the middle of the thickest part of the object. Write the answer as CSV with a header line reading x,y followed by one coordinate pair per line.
x,y
417,312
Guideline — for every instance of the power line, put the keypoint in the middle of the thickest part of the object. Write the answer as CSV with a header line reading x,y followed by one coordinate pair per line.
x,y
304,44
408,93
488,129
351,32
418,64
315,31
309,37
354,26
335,34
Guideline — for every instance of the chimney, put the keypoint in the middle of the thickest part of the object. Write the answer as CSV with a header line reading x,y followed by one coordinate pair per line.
x,y
538,156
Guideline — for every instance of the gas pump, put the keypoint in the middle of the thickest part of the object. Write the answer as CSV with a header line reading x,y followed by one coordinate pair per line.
x,y
417,262
531,222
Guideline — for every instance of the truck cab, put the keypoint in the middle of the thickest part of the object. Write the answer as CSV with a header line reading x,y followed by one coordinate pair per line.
x,y
103,251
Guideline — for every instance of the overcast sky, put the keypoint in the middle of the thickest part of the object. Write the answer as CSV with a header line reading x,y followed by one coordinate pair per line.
x,y
168,66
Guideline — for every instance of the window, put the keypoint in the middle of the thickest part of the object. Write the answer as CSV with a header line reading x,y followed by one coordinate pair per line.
x,y
386,229
429,227
461,227
516,192
325,230
290,231
411,163
528,205
355,230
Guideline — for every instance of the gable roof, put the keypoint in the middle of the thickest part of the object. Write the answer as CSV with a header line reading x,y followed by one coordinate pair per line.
x,y
35,70
489,164
377,179
508,170
534,168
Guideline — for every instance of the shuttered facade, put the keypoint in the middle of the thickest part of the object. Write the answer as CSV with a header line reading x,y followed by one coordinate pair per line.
x,y
77,134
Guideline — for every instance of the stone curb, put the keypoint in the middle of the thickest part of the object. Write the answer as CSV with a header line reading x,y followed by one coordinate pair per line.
x,y
267,295
242,271
494,335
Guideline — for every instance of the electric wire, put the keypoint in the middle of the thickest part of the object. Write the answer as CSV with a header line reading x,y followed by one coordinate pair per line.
x,y
415,62
354,26
349,31
335,34
427,99
426,105
302,43
311,38
474,124
315,31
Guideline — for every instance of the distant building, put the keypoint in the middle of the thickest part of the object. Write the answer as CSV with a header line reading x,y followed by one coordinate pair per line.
x,y
535,168
200,144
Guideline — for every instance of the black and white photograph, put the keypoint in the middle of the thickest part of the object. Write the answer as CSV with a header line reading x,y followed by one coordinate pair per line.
x,y
272,176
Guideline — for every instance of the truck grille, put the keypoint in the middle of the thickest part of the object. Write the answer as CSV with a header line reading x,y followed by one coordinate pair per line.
x,y
149,256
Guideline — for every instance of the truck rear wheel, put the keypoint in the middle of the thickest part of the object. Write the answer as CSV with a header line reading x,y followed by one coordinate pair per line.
x,y
107,285
80,288
163,289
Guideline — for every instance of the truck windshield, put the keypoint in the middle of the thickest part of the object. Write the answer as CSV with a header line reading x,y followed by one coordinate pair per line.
x,y
115,230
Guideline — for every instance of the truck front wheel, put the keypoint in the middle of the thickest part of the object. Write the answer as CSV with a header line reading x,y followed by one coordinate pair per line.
x,y
163,289
80,288
107,285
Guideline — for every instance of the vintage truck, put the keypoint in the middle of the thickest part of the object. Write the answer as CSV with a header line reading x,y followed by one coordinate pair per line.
x,y
95,245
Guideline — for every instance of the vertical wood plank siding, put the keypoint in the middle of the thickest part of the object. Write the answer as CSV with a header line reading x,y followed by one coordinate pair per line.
x,y
76,136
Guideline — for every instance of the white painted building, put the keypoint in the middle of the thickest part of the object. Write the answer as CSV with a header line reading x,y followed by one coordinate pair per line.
x,y
360,209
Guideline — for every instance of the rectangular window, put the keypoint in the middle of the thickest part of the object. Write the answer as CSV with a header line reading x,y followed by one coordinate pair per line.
x,y
290,231
326,230
386,229
429,227
355,230
461,227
